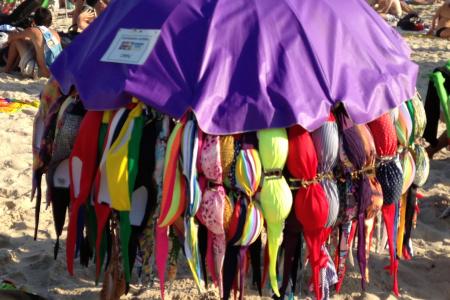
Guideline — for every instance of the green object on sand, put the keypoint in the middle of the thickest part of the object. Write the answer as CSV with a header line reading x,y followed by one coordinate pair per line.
x,y
7,286
8,291
439,80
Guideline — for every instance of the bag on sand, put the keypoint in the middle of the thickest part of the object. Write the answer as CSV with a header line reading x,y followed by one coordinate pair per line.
x,y
411,22
69,36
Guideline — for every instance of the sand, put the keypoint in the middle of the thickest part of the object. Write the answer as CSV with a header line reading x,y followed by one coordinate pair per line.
x,y
31,266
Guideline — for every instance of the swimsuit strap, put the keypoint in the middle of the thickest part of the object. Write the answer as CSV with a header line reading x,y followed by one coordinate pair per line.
x,y
52,47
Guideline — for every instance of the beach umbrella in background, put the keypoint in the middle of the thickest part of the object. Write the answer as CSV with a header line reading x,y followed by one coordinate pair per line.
x,y
245,66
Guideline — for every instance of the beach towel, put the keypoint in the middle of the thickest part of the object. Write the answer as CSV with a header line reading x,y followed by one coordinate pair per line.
x,y
10,106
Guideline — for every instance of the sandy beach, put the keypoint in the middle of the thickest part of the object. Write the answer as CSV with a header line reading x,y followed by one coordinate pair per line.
x,y
31,266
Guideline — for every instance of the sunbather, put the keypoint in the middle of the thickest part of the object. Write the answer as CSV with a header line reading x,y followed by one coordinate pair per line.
x,y
442,17
391,7
35,48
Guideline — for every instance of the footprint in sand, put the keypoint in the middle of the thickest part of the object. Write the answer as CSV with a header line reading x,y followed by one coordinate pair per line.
x,y
15,164
40,262
29,111
7,193
19,226
10,205
17,276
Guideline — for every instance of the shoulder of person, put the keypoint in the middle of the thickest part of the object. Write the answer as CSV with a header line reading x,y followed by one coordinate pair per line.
x,y
32,31
55,33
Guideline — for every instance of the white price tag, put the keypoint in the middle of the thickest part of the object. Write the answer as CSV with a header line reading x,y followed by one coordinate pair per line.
x,y
131,46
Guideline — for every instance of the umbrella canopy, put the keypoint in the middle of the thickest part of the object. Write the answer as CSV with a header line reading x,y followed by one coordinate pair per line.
x,y
246,65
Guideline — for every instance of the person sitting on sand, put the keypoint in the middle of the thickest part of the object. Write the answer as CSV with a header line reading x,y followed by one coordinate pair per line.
x,y
389,9
442,17
392,7
35,48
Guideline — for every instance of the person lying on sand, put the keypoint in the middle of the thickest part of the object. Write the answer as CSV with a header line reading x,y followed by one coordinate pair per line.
x,y
35,48
442,17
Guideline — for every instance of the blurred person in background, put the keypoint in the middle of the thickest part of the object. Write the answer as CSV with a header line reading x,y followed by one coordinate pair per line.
x,y
34,49
86,11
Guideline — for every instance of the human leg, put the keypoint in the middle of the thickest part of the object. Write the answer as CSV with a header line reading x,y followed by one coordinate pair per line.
x,y
406,8
395,8
13,55
27,61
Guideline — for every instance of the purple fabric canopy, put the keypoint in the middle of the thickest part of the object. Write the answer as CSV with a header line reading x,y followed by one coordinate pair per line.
x,y
246,65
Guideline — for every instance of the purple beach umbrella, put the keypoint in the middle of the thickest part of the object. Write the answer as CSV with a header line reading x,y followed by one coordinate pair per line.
x,y
246,65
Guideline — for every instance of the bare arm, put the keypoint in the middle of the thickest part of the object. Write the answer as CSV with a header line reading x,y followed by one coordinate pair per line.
x,y
21,35
433,22
84,19
77,11
100,7
436,18
43,70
